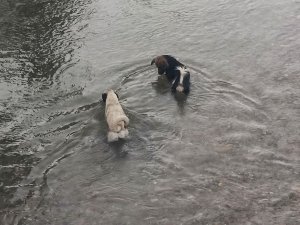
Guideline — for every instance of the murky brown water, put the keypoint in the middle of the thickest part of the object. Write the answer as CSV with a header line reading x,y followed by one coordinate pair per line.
x,y
229,153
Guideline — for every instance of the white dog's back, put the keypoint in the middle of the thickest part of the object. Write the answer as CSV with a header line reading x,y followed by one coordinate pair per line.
x,y
114,136
116,119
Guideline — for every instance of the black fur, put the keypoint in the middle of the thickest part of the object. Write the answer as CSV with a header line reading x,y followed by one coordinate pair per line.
x,y
153,61
171,71
104,96
173,63
186,83
176,81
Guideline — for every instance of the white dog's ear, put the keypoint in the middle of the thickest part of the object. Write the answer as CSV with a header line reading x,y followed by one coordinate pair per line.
x,y
117,95
104,96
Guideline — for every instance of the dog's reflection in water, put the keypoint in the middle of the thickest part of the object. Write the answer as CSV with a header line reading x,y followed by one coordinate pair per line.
x,y
181,100
162,86
119,148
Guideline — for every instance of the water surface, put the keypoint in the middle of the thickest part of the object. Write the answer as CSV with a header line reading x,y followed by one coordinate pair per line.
x,y
226,154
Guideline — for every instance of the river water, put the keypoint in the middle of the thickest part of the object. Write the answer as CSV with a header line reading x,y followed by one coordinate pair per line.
x,y
228,153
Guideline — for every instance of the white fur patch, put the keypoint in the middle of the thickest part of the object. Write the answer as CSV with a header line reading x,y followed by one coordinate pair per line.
x,y
123,133
112,136
179,88
183,72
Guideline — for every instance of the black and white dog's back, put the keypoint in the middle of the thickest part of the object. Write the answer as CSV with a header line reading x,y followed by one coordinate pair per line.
x,y
175,71
181,83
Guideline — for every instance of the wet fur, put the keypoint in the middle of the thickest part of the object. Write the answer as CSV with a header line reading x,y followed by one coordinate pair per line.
x,y
175,71
116,119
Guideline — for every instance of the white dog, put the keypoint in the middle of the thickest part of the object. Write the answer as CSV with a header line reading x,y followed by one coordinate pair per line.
x,y
116,119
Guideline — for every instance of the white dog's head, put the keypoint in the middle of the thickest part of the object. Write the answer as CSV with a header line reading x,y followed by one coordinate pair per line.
x,y
111,95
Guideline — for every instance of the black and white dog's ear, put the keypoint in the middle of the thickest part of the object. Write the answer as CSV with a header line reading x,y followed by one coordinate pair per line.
x,y
161,70
153,61
104,96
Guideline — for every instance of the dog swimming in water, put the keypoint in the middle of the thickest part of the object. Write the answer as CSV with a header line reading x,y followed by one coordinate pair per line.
x,y
175,71
116,119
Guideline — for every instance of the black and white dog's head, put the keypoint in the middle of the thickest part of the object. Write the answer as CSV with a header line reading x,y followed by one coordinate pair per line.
x,y
181,83
175,71
161,63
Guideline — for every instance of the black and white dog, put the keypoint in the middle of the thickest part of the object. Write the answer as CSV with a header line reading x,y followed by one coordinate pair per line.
x,y
176,72
116,119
